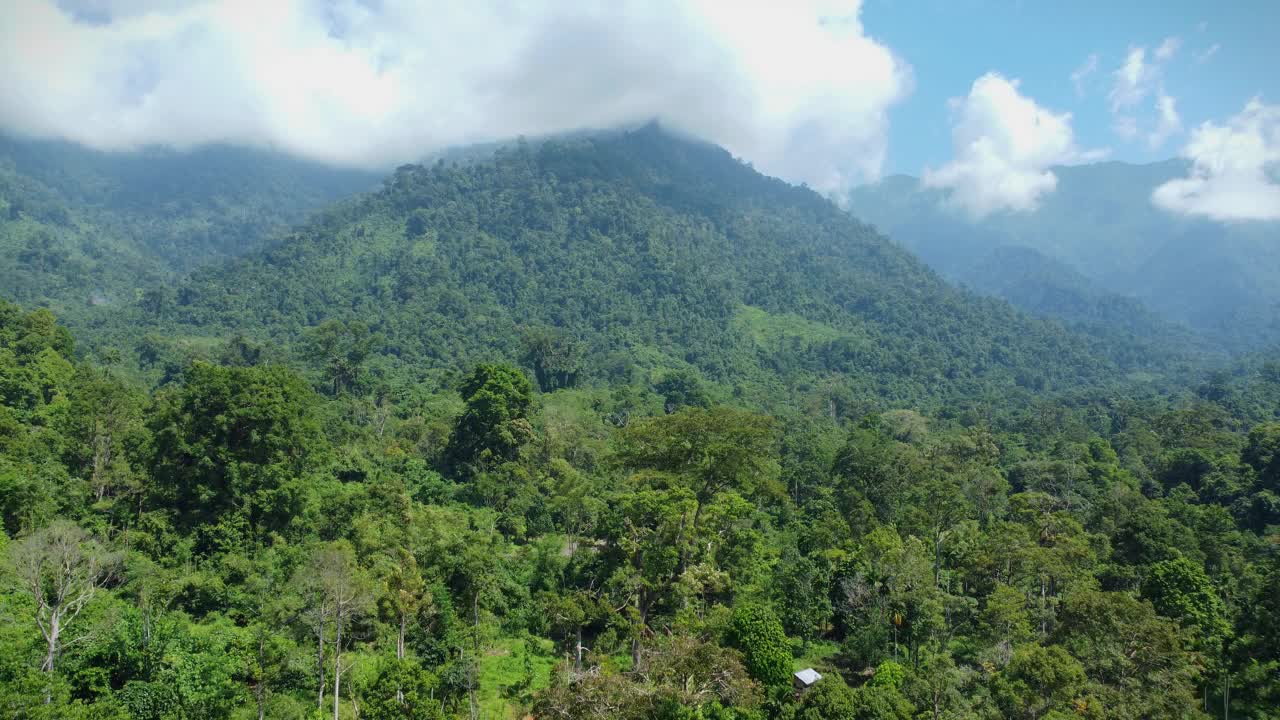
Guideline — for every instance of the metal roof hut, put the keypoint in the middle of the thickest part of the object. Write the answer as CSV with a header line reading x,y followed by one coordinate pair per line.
x,y
805,678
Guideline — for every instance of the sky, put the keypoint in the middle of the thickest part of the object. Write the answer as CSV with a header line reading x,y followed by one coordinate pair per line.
x,y
1223,55
981,98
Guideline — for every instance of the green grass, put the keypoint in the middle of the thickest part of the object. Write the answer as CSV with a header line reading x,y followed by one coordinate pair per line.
x,y
818,656
1139,376
767,330
502,670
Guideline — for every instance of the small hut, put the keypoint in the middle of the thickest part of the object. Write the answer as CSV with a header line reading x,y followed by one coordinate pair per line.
x,y
804,679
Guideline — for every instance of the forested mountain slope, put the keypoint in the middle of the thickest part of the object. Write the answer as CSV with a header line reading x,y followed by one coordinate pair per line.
x,y
612,426
619,253
1050,288
1221,280
80,227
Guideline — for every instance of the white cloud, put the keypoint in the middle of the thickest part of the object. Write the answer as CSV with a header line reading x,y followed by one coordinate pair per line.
x,y
1203,56
1126,126
1168,49
798,88
1169,124
1132,80
1081,73
1234,169
1140,76
1004,146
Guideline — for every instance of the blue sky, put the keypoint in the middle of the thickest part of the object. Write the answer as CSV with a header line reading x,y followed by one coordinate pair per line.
x,y
950,43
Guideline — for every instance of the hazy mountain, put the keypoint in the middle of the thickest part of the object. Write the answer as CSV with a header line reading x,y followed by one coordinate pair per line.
x,y
81,227
1222,280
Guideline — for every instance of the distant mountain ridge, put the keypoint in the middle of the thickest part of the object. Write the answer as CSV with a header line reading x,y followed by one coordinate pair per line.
x,y
645,251
1221,280
80,227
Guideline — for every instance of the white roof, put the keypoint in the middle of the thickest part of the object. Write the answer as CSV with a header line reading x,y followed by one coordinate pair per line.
x,y
808,676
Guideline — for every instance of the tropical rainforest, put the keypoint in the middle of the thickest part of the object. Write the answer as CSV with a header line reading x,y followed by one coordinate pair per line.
x,y
601,426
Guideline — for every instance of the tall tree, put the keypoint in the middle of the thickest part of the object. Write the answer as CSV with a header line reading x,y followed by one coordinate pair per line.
x,y
232,444
706,451
339,350
61,568
338,593
495,423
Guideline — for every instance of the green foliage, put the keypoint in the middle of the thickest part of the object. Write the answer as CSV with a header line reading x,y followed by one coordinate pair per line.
x,y
339,350
1179,589
86,231
766,653
494,425
635,254
888,674
977,514
1040,680
555,356
402,690
682,388
832,699
232,448
709,451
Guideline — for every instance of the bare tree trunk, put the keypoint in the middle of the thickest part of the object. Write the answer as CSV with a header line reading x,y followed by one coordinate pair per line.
x,y
337,661
51,654
577,663
51,642
320,664
475,620
471,688
475,640
400,638
937,557
101,458
400,655
693,533
642,608
259,689
1044,610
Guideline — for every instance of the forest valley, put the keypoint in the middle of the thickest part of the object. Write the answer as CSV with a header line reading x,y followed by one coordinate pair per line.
x,y
614,428
237,544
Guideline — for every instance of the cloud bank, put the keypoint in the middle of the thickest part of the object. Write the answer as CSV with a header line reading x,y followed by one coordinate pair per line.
x,y
1235,169
798,88
1004,146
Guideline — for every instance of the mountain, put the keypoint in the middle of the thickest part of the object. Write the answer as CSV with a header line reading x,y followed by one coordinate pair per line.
x,y
630,254
1099,225
80,227
619,393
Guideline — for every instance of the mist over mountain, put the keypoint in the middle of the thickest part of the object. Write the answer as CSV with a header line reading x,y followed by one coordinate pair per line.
x,y
1221,280
83,227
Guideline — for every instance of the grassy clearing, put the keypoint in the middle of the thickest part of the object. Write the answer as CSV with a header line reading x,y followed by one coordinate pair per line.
x,y
819,655
509,674
769,331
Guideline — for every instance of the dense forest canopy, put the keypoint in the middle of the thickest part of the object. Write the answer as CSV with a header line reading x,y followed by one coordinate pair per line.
x,y
611,426
622,255
82,229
